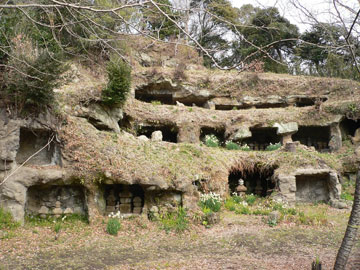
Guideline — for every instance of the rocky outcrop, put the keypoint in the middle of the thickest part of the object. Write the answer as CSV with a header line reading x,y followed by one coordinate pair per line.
x,y
101,117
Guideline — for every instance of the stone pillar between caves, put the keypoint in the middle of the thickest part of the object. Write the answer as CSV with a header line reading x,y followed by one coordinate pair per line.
x,y
335,142
286,138
189,134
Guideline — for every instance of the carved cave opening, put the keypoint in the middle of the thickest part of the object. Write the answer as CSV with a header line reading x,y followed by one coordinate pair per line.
x,y
163,98
256,180
308,101
126,123
128,199
31,141
271,105
228,107
191,101
261,138
169,132
55,200
155,92
317,136
312,187
218,132
348,127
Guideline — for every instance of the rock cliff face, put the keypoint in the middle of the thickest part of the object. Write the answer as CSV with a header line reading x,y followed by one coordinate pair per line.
x,y
151,155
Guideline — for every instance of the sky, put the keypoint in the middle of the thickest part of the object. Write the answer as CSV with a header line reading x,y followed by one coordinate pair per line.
x,y
318,7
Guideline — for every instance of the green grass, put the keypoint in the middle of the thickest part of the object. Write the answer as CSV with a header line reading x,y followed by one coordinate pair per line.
x,y
315,214
72,221
7,221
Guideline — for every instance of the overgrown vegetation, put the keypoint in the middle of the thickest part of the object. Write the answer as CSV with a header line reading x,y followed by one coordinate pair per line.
x,y
7,221
66,221
119,82
253,205
177,221
348,188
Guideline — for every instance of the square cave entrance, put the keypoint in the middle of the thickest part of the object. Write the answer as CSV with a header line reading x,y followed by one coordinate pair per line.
x,y
128,199
312,187
169,132
156,92
256,180
56,200
219,133
316,136
348,128
261,138
32,141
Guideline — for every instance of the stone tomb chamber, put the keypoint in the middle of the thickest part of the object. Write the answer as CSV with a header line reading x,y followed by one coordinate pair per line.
x,y
31,141
348,128
128,199
252,181
169,132
261,138
156,92
312,187
45,200
316,136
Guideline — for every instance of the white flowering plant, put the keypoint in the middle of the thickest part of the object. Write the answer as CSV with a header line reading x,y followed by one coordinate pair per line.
x,y
230,145
211,201
245,147
211,140
272,147
115,215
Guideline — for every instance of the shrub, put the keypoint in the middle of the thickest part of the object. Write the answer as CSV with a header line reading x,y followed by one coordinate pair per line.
x,y
273,147
211,140
232,145
211,201
175,221
119,82
113,226
6,220
29,84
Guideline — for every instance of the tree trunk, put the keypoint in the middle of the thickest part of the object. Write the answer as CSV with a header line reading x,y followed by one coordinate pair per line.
x,y
351,230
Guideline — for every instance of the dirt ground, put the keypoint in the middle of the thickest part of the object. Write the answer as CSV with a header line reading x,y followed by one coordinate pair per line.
x,y
238,242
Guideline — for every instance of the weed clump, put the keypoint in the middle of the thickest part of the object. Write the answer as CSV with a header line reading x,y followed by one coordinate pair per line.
x,y
7,221
175,221
113,226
